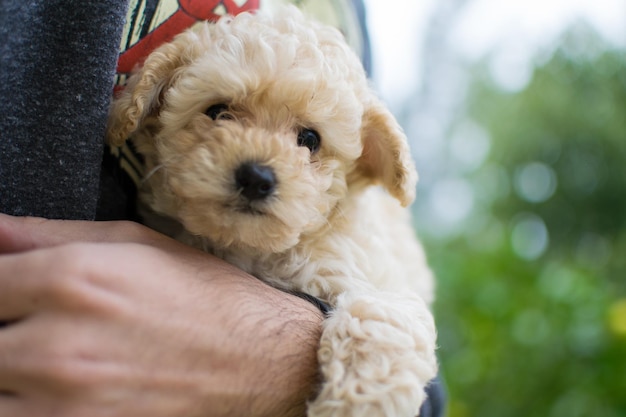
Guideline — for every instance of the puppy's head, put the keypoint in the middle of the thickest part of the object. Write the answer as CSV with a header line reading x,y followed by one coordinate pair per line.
x,y
257,127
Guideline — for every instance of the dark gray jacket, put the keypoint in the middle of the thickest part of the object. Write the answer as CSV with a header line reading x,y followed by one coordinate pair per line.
x,y
57,61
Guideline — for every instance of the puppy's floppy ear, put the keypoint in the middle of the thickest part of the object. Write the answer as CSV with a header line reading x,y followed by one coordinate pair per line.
x,y
144,91
386,157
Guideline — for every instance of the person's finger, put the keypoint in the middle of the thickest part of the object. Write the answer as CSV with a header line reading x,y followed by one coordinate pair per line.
x,y
65,276
11,379
19,234
19,295
17,365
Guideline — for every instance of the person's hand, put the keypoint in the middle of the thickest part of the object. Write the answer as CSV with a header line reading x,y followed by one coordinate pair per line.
x,y
112,319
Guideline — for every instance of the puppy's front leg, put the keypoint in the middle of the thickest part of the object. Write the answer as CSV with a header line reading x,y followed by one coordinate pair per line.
x,y
377,354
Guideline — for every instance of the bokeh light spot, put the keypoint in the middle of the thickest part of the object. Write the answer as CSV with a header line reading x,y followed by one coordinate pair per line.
x,y
529,237
535,182
617,317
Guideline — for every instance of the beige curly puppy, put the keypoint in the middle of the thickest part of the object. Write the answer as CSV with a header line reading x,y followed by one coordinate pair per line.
x,y
262,137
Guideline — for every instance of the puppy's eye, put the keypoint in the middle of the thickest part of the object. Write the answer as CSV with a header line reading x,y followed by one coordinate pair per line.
x,y
218,111
309,138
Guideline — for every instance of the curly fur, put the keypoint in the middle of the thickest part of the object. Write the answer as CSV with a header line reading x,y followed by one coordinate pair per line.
x,y
327,230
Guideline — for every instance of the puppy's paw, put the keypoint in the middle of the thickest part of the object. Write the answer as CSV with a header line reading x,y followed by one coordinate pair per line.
x,y
377,354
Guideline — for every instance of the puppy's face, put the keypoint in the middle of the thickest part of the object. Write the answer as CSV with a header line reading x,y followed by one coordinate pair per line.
x,y
257,128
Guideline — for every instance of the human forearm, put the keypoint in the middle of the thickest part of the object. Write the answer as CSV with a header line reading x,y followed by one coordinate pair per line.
x,y
277,364
139,325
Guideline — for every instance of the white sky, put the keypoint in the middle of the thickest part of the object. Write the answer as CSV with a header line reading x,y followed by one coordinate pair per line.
x,y
397,27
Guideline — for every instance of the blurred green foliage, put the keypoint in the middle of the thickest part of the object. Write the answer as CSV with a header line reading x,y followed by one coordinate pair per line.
x,y
531,303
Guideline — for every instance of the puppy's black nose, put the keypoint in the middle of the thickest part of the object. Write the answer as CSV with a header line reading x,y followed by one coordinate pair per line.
x,y
255,181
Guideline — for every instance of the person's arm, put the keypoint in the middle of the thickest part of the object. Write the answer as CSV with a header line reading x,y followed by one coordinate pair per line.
x,y
112,319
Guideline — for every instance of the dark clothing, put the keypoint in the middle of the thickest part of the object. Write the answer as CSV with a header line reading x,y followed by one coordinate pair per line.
x,y
58,60
434,406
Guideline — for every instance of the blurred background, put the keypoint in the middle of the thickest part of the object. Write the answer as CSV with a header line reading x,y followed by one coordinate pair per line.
x,y
516,111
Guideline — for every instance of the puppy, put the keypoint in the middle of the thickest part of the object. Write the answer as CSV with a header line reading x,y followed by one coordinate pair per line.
x,y
261,137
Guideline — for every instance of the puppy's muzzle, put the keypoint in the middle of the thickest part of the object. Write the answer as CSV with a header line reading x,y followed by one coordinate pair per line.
x,y
255,181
